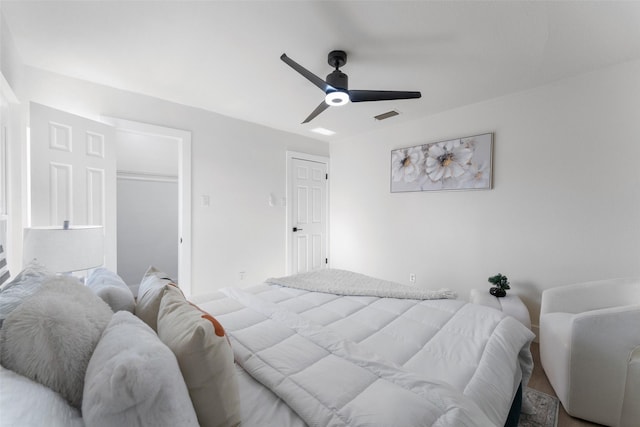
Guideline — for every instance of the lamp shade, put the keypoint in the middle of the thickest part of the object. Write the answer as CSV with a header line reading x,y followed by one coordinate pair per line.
x,y
65,250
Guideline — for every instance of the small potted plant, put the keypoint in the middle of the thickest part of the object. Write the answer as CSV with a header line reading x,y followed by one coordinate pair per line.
x,y
501,284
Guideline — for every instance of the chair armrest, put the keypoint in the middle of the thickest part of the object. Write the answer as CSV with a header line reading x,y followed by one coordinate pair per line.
x,y
617,326
630,408
588,296
602,343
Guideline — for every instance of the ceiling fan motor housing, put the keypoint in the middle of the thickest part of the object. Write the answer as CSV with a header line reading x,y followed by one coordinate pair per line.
x,y
338,79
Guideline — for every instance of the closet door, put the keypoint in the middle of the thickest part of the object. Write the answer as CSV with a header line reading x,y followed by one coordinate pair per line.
x,y
309,215
72,168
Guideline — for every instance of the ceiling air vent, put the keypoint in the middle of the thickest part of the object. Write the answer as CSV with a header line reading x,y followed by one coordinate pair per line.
x,y
386,115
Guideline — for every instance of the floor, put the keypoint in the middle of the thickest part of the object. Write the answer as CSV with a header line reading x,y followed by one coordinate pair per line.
x,y
540,382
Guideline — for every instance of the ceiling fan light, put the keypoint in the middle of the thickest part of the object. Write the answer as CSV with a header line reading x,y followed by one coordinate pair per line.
x,y
336,98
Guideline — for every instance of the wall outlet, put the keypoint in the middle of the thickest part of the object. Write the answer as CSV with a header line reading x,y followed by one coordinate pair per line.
x,y
412,277
241,275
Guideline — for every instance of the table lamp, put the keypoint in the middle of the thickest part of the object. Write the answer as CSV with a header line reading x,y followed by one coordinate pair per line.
x,y
65,249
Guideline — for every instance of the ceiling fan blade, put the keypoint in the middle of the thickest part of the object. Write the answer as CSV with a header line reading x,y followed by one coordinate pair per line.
x,y
319,109
380,95
306,73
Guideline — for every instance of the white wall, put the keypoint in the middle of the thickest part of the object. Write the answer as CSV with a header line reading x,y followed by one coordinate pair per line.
x,y
236,163
147,228
146,154
565,205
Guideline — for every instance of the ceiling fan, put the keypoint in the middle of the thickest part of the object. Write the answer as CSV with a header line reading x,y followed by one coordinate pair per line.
x,y
336,87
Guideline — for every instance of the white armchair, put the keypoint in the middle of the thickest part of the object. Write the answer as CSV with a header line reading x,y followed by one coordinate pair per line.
x,y
590,349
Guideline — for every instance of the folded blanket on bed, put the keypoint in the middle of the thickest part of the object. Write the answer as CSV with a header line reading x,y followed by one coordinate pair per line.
x,y
342,282
331,381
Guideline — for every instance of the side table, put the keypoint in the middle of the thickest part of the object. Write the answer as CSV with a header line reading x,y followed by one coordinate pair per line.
x,y
510,304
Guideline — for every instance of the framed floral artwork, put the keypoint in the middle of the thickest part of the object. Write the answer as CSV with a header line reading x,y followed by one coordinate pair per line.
x,y
456,164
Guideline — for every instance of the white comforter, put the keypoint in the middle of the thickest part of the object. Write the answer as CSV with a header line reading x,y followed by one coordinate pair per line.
x,y
344,360
356,360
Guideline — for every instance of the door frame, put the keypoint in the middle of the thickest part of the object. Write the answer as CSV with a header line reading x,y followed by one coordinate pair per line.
x,y
8,101
290,155
183,138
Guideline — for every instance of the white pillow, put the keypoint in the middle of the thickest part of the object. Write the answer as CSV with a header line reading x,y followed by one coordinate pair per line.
x,y
24,402
50,337
205,358
112,289
150,293
133,379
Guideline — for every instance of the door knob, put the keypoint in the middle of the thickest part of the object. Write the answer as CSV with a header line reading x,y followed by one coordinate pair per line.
x,y
296,229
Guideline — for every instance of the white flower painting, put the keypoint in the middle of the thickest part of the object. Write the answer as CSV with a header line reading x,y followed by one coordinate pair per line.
x,y
457,164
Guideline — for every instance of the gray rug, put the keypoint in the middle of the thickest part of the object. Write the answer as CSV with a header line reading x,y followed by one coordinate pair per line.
x,y
546,410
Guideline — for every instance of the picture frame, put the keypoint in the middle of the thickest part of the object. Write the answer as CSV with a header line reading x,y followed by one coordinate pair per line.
x,y
456,164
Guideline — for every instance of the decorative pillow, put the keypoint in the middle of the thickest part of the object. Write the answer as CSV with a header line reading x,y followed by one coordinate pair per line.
x,y
25,284
33,271
24,402
4,269
150,292
133,379
205,358
50,337
13,297
112,289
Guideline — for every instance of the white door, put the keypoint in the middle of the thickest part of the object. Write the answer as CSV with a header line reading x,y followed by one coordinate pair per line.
x,y
308,215
73,173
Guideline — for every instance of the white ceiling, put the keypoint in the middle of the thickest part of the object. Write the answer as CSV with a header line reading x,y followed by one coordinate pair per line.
x,y
223,56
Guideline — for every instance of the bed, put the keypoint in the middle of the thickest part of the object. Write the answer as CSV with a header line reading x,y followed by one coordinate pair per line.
x,y
339,348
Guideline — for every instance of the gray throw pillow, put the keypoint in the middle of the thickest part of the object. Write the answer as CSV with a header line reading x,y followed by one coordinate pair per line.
x,y
150,294
51,336
22,286
4,269
112,289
